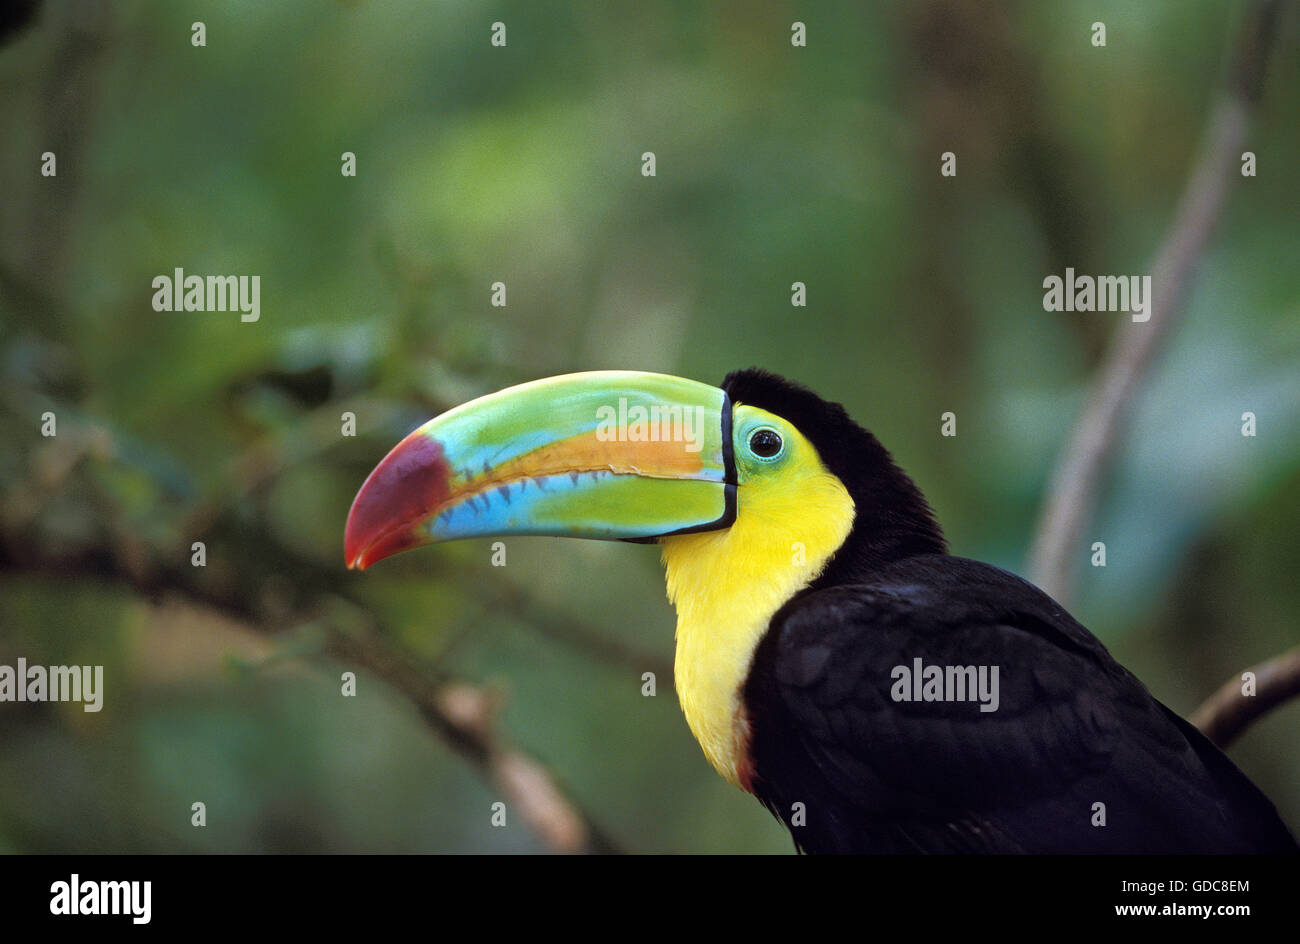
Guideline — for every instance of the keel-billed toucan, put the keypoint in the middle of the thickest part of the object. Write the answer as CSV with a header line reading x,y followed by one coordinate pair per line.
x,y
874,692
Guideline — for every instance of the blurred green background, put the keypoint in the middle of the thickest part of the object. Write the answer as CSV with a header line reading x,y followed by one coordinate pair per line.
x,y
522,164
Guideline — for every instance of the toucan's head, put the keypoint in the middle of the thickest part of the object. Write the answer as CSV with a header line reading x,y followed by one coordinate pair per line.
x,y
756,491
626,455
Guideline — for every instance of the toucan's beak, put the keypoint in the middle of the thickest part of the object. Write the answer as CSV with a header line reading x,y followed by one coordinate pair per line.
x,y
605,454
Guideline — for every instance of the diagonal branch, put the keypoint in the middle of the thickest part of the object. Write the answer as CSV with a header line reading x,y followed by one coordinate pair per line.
x,y
1082,467
462,715
465,716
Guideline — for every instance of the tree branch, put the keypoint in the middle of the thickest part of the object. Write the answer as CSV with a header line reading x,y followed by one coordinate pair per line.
x,y
462,715
465,717
1228,712
1072,493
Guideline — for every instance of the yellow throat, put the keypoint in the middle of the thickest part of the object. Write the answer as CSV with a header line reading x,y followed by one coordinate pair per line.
x,y
726,585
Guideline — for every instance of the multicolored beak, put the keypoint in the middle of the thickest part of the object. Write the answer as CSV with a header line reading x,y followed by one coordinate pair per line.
x,y
612,455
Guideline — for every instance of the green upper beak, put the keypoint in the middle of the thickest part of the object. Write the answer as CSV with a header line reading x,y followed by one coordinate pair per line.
x,y
604,454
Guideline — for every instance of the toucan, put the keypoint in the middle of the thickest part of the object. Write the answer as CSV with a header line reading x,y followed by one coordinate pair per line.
x,y
876,693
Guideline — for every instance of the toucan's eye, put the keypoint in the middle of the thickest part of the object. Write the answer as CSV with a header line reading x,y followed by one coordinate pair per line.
x,y
765,443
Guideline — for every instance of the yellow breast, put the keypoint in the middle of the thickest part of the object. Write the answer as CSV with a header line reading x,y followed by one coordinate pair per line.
x,y
726,585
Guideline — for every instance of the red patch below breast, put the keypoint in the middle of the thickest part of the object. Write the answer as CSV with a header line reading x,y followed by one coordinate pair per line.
x,y
744,759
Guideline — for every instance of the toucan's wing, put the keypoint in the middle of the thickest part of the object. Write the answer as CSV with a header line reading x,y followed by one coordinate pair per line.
x,y
1074,737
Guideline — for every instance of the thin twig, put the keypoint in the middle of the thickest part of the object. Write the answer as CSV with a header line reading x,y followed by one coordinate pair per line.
x,y
465,717
1229,711
1072,494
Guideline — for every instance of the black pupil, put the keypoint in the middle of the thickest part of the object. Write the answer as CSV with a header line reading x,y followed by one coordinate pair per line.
x,y
765,443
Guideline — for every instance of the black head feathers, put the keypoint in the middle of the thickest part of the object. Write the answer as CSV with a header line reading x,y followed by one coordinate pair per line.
x,y
893,519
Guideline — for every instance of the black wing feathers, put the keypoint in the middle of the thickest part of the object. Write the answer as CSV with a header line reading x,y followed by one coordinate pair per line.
x,y
1072,729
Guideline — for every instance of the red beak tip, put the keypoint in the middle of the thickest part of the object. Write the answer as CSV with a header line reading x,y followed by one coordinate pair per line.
x,y
396,496
354,548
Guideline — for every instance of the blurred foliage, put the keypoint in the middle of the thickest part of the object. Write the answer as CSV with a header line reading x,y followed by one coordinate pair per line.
x,y
521,164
